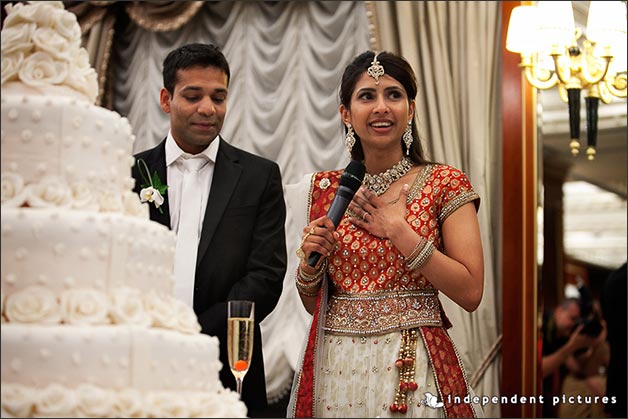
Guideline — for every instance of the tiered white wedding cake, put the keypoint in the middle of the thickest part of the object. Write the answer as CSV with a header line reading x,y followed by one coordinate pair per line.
x,y
89,324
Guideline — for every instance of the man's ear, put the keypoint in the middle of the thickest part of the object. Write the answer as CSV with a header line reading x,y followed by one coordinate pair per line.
x,y
164,99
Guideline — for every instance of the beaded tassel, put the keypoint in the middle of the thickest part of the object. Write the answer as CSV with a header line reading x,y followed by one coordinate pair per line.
x,y
406,364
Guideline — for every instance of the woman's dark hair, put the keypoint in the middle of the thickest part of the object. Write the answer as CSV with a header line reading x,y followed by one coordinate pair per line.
x,y
192,55
399,69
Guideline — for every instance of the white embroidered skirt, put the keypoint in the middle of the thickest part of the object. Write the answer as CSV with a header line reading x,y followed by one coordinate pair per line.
x,y
358,378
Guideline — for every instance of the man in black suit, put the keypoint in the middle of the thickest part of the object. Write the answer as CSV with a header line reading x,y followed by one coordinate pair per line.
x,y
241,251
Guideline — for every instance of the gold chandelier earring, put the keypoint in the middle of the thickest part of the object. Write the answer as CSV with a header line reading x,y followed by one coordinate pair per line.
x,y
407,137
349,138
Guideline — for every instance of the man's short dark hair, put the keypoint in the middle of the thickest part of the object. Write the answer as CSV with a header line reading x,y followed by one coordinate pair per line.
x,y
192,55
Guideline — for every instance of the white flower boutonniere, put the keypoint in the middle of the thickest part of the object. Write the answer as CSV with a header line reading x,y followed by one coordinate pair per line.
x,y
153,190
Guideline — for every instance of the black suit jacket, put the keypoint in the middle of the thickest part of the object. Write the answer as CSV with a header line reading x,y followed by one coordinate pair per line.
x,y
242,250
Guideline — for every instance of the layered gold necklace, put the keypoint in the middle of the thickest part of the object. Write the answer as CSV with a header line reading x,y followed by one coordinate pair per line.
x,y
379,183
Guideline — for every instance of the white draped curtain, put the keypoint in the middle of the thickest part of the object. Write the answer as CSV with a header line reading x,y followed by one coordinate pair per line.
x,y
286,61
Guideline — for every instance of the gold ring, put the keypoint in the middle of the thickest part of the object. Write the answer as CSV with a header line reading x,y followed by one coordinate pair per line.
x,y
300,253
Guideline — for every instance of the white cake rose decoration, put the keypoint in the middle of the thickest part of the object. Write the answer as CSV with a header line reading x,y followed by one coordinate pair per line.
x,y
50,39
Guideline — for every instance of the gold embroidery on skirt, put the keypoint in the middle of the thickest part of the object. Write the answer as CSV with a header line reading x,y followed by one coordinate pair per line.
x,y
373,313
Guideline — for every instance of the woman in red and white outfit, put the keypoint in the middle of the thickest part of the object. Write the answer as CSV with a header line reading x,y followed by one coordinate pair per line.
x,y
378,344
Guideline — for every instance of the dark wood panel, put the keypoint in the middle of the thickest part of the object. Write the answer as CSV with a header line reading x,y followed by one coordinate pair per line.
x,y
519,270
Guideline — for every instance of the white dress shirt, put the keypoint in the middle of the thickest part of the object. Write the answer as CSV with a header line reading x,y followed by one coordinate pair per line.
x,y
175,178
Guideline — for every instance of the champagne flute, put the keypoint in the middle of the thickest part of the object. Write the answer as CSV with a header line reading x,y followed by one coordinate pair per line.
x,y
240,319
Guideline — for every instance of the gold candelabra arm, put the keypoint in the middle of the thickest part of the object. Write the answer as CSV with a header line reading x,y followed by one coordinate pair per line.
x,y
609,87
593,69
539,77
616,86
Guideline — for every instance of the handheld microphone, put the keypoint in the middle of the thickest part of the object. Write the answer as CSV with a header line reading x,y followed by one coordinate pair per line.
x,y
350,182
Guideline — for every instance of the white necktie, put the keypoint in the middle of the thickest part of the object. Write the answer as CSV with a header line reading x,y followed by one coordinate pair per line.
x,y
189,230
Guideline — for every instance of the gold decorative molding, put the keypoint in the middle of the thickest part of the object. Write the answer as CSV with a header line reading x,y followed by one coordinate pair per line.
x,y
162,16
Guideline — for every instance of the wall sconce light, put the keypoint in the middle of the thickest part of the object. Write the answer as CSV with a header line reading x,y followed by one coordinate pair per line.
x,y
555,52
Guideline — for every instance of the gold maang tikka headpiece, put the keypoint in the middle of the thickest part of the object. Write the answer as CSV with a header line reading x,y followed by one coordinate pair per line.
x,y
376,70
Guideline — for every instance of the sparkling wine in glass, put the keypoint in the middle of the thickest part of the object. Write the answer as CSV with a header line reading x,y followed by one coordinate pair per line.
x,y
240,318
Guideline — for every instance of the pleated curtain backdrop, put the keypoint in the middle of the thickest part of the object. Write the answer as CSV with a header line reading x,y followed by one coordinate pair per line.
x,y
286,60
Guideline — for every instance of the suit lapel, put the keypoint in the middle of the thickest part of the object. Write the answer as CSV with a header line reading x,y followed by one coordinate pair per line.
x,y
226,175
157,161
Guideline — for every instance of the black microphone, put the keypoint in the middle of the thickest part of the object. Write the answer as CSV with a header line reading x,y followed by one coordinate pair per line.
x,y
350,182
